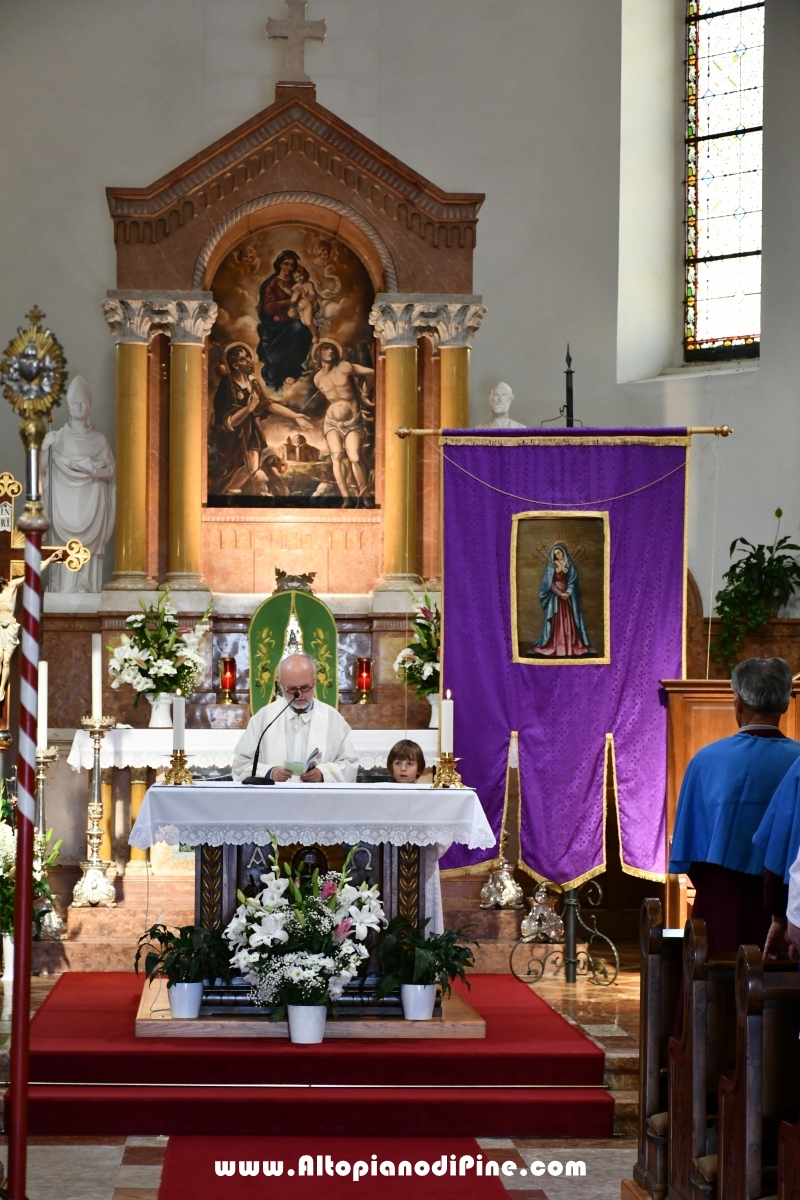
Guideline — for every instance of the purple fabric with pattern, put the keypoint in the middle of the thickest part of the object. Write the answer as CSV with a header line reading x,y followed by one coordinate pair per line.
x,y
563,713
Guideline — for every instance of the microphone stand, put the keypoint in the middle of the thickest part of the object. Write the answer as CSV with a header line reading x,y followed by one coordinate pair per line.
x,y
262,781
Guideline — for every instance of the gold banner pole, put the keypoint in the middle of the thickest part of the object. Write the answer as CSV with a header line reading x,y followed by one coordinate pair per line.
x,y
692,430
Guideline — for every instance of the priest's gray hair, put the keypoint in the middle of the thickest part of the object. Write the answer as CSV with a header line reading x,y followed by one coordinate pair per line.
x,y
312,662
764,684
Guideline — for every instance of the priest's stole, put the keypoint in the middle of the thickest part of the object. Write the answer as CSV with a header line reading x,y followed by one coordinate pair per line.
x,y
563,609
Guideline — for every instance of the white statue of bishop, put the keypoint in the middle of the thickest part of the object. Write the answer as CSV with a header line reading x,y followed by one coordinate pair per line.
x,y
501,398
79,488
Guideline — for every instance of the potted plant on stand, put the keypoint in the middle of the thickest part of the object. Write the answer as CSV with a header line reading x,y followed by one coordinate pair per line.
x,y
157,658
418,664
417,963
300,941
186,959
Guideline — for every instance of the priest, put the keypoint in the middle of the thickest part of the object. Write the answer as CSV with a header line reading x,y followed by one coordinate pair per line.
x,y
297,728
725,793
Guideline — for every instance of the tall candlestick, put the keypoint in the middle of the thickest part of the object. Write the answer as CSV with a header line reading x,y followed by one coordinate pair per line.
x,y
41,716
446,725
178,723
97,676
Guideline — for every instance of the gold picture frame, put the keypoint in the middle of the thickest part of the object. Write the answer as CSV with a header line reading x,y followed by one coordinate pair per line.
x,y
577,543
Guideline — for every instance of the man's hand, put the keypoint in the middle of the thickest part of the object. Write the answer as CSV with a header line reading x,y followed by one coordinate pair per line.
x,y
280,774
314,775
793,938
776,945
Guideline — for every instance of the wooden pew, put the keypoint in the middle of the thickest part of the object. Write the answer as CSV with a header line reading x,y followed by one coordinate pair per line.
x,y
659,988
697,1059
764,1088
789,1161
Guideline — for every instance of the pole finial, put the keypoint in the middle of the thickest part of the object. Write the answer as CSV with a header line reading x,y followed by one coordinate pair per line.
x,y
568,358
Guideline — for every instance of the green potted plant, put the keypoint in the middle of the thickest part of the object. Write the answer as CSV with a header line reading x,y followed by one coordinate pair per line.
x,y
185,959
417,963
756,586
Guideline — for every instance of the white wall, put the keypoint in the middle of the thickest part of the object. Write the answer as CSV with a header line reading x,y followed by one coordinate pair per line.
x,y
517,98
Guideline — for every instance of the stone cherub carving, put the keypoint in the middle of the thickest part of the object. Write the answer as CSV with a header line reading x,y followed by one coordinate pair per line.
x,y
78,480
501,398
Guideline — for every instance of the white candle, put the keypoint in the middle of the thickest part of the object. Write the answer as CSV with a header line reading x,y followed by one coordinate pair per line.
x,y
97,676
446,725
41,714
178,723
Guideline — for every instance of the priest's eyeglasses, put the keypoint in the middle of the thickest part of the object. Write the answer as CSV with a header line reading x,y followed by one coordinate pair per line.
x,y
304,691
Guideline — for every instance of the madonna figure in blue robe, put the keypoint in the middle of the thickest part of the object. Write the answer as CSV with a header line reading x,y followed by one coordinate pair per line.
x,y
283,340
563,630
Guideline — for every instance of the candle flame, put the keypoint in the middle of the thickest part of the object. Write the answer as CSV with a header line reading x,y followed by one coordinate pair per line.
x,y
448,693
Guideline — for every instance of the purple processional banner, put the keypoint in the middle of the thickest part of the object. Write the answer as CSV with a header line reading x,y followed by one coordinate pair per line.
x,y
564,595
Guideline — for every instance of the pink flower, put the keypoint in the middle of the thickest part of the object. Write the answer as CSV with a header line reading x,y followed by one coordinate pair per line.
x,y
426,612
342,929
327,890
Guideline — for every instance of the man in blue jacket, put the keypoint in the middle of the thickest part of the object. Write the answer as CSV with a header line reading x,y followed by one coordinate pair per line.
x,y
725,793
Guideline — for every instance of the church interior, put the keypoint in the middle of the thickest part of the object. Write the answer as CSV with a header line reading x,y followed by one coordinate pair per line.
x,y
399,577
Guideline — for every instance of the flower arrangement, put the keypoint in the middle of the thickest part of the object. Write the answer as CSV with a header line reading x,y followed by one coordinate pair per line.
x,y
44,857
418,664
156,656
301,939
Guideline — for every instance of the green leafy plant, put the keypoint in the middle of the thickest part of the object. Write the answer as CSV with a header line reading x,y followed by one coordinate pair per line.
x,y
756,586
407,956
44,857
417,665
191,955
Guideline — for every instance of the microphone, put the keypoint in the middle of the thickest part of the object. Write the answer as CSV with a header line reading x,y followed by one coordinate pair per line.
x,y
262,780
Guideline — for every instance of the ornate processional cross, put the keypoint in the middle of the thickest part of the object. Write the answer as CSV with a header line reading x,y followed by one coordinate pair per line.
x,y
296,29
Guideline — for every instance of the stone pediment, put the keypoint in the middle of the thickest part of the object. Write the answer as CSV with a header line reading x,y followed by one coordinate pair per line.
x,y
298,151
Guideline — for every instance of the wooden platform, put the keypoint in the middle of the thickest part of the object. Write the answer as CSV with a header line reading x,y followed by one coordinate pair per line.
x,y
458,1020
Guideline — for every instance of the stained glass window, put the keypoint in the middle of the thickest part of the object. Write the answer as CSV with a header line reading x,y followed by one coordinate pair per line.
x,y
725,88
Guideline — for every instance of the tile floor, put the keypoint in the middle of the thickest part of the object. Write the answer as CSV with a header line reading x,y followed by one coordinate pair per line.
x,y
130,1168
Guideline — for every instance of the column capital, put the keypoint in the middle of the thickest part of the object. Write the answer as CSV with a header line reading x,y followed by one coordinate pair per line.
x,y
453,320
396,318
129,318
189,319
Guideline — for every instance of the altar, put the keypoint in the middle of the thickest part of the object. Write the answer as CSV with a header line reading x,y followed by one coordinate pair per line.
x,y
402,830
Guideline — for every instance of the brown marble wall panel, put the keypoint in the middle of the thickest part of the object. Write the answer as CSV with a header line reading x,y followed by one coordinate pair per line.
x,y
67,647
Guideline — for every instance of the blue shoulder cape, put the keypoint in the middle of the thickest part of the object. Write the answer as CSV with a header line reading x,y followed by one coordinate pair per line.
x,y
778,835
724,795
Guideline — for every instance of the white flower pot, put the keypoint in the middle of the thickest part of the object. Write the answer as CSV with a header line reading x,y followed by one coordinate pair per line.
x,y
307,1023
185,1000
161,715
434,703
8,958
418,1000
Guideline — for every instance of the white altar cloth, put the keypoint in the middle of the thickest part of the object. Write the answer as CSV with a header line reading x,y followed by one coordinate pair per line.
x,y
215,747
218,814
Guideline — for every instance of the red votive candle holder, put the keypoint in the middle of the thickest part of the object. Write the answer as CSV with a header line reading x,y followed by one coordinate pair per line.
x,y
227,679
364,680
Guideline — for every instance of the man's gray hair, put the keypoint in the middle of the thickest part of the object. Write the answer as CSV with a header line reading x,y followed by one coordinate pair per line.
x,y
311,661
764,684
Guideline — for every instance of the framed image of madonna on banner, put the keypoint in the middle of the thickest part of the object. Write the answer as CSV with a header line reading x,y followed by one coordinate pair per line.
x,y
560,588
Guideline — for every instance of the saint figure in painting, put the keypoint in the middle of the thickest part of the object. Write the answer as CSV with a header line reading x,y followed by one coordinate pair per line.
x,y
563,631
239,460
284,335
344,385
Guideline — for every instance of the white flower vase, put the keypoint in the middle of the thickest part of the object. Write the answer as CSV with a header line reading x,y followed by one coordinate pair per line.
x,y
185,1000
8,958
161,714
418,1000
307,1023
434,703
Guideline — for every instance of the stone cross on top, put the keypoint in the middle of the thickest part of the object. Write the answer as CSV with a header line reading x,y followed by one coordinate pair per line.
x,y
296,29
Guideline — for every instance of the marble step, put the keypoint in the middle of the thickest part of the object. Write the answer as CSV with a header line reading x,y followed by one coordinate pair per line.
x,y
626,1113
126,922
51,958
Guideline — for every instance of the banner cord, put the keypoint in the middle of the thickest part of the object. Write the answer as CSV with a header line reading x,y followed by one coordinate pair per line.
x,y
573,503
713,554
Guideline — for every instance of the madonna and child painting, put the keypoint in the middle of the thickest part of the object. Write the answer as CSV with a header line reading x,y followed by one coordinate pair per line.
x,y
291,375
559,588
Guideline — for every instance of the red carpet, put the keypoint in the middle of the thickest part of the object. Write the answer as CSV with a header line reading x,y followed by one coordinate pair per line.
x,y
533,1074
190,1168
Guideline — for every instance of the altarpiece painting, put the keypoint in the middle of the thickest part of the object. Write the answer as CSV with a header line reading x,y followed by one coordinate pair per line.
x,y
291,374
560,588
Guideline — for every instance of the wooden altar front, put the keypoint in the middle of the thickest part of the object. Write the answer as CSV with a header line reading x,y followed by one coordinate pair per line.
x,y
700,711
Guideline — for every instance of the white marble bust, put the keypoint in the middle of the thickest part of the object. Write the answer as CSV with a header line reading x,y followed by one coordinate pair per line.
x,y
78,482
501,398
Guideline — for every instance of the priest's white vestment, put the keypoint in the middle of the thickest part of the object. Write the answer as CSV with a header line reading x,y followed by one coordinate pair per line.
x,y
327,732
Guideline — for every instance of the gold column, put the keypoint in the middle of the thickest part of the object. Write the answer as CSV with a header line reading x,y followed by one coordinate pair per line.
x,y
454,387
138,789
395,318
130,317
190,320
107,819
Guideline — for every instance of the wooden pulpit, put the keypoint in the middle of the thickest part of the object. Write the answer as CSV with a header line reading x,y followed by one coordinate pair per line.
x,y
700,711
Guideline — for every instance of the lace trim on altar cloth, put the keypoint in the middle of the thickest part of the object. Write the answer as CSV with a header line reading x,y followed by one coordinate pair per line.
x,y
213,758
329,835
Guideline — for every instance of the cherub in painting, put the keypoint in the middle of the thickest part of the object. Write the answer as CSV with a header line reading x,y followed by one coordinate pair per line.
x,y
563,630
